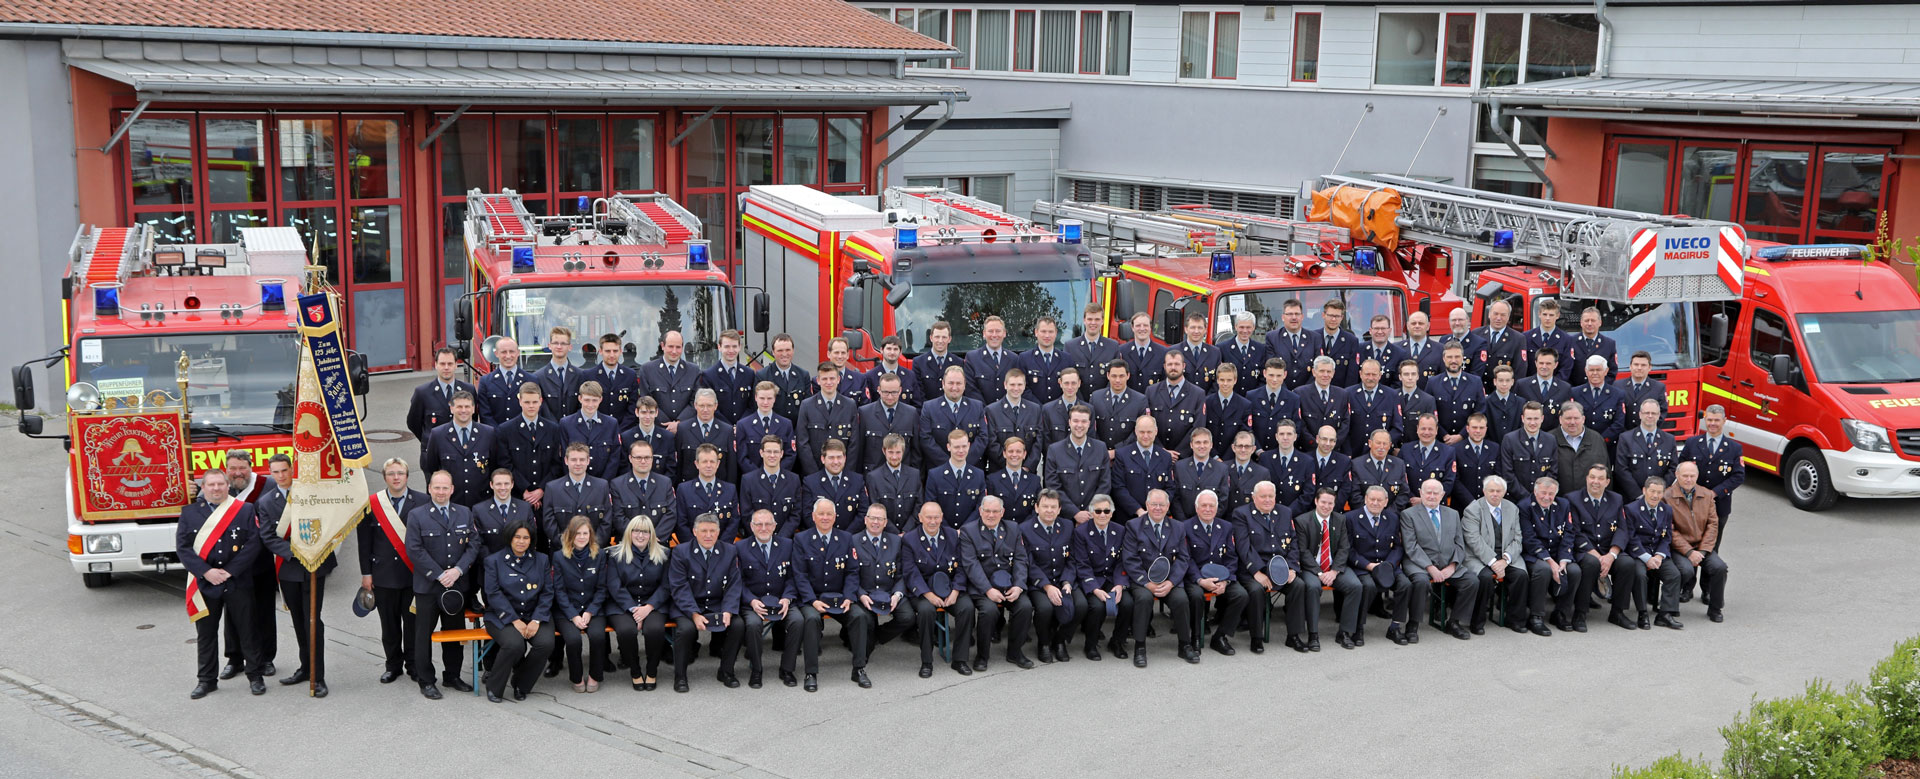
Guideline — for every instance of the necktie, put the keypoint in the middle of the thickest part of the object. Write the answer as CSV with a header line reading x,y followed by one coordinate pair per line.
x,y
1434,514
446,391
1326,547
1496,336
953,406
512,379
706,430
1142,350
445,516
463,436
1713,447
889,410
672,372
502,508
1324,400
1648,437
578,488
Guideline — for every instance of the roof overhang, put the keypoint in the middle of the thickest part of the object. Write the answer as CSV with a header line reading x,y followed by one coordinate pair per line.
x,y
1858,104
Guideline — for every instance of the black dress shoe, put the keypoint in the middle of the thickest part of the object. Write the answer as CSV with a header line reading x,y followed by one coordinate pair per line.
x,y
639,686
268,669
1714,615
1192,655
1413,636
1045,654
1620,619
1092,651
812,683
1457,631
203,689
753,680
454,682
389,677
1359,638
1579,627
980,664
1020,660
297,677
1313,643
786,678
430,692
1686,596
1538,628
926,670
1060,653
494,697
1668,622
650,686
519,695
1517,626
319,689
860,678
1345,641
680,684
229,671
1395,635
1140,656
1297,645
961,667
1117,648
1478,630
728,680
1561,624
1221,645
257,686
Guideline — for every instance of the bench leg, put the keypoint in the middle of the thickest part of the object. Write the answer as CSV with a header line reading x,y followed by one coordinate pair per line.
x,y
942,637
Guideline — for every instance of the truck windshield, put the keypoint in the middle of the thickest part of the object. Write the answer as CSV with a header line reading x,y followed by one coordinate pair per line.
x,y
234,379
967,306
1863,347
1663,331
638,313
1362,304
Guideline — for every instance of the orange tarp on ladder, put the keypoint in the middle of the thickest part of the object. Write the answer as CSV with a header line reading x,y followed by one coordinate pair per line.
x,y
1369,214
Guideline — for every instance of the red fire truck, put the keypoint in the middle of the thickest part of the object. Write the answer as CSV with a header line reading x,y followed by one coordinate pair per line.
x,y
907,258
145,320
633,265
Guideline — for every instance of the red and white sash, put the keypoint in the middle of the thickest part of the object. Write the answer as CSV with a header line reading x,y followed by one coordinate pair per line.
x,y
395,529
285,529
203,544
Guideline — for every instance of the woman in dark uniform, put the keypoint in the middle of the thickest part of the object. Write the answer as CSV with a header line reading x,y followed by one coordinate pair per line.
x,y
635,571
519,606
577,598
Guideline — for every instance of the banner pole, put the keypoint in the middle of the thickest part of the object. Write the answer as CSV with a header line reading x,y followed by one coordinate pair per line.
x,y
313,631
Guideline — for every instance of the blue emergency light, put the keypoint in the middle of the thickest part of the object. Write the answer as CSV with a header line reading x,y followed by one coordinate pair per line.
x,y
580,204
273,296
906,236
522,258
1221,266
1503,240
1366,259
1070,231
697,258
106,298
1814,251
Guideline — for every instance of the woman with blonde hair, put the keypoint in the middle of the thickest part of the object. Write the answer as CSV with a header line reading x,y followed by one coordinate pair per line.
x,y
577,600
635,575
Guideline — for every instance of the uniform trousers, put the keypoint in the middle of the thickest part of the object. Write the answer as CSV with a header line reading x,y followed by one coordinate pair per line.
x,y
1096,614
233,605
262,588
1382,580
627,634
1466,587
1231,602
1622,574
960,618
311,646
426,616
686,640
1019,614
592,662
1047,626
1177,607
396,626
856,622
520,659
756,631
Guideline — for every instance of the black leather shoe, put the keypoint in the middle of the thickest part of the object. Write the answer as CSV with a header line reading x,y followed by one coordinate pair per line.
x,y
1313,642
519,695
728,680
1538,628
1668,622
812,683
1060,653
454,682
1091,651
1297,645
229,671
494,697
860,678
1579,627
1620,619
257,686
1020,660
1396,636
1715,615
319,689
1140,655
786,678
1359,638
389,677
1044,654
1191,655
1117,648
1686,596
1645,624
1222,645
1517,626
202,690
1257,646
430,692
680,684
268,669
1345,641
926,670
1413,636
980,664
1454,629
1561,624
1478,630
961,667
650,686
297,677
754,680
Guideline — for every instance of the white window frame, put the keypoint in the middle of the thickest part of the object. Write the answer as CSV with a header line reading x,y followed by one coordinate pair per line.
x,y
972,180
1440,60
1014,9
1293,38
1213,13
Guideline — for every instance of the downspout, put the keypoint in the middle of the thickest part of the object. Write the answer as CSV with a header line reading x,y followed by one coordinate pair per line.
x,y
1500,120
1605,68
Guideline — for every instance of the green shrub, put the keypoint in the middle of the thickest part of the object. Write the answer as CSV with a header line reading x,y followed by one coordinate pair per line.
x,y
1894,687
1674,766
1823,734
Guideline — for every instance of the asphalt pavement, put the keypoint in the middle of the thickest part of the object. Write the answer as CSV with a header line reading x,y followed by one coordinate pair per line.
x,y
94,682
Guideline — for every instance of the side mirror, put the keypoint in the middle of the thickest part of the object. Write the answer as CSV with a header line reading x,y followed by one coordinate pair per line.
x,y
1426,306
23,389
32,424
357,373
463,319
1170,320
629,353
1126,298
762,312
1717,331
899,293
853,308
856,339
1783,370
589,353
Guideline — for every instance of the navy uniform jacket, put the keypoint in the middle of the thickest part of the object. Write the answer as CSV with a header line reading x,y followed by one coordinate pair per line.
x,y
1145,364
985,551
1248,359
1004,420
1723,471
1651,529
825,561
602,437
930,558
561,502
1178,410
671,388
703,581
1635,459
1019,491
1375,539
732,389
437,543
1241,479
1093,353
821,421
1306,528
1581,347
931,369
1370,410
940,416
1053,419
1413,403
987,373
1599,524
686,443
1524,459
267,512
1264,535
1297,350
518,588
848,492
1293,477
746,439
1430,354
886,565
1634,393
1473,347
530,449
1043,373
1317,411
1226,418
958,492
1390,473
1555,395
1135,473
378,558
1336,471
1114,415
1078,475
1537,339
693,499
1190,477
874,429
428,407
490,522
795,384
557,398
666,456
1497,349
1050,553
575,584
1472,465
235,551
1212,542
853,386
498,397
1203,361
1425,463
909,383
1606,410
619,390
1388,354
764,574
1144,543
639,582
1343,347
1549,532
652,497
1455,398
1098,555
778,493
900,493
1268,408
470,465
1503,414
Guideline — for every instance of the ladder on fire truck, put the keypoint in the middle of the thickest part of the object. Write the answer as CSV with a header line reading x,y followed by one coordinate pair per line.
x,y
646,220
1198,228
941,206
1602,253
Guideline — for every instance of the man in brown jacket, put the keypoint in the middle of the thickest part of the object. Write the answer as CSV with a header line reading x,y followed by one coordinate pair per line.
x,y
1695,532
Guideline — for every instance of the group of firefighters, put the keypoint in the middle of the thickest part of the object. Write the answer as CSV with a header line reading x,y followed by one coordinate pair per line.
x,y
963,500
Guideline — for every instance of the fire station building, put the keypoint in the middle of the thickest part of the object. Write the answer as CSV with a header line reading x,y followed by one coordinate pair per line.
x,y
364,123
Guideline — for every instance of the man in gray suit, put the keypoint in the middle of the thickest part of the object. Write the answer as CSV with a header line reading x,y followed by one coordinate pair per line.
x,y
1491,529
1435,555
1578,448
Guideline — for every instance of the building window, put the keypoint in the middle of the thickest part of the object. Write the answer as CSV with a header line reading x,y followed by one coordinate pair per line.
x,y
963,38
993,189
1764,187
1226,45
1023,23
992,51
933,24
1119,43
1522,48
1209,44
1090,43
1056,41
1506,175
1457,67
1406,50
1306,46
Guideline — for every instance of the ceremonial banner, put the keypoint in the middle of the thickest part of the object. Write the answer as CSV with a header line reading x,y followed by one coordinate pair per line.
x,y
322,334
129,465
327,497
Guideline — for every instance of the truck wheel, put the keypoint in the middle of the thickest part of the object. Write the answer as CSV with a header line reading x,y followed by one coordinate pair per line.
x,y
95,581
1809,485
